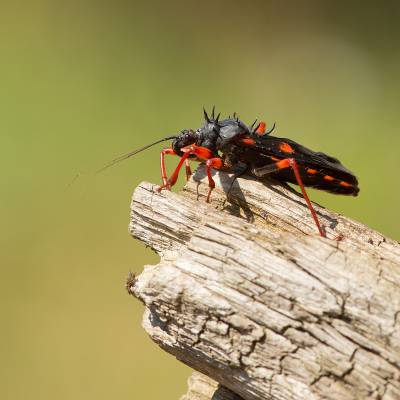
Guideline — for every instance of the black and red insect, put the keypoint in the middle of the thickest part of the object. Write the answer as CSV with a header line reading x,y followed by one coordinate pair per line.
x,y
230,143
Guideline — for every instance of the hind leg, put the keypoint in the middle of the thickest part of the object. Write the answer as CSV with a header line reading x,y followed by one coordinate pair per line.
x,y
291,163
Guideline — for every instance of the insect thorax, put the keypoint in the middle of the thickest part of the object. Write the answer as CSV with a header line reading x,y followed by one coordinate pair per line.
x,y
215,136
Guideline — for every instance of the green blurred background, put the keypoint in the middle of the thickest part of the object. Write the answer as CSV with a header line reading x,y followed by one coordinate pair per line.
x,y
82,82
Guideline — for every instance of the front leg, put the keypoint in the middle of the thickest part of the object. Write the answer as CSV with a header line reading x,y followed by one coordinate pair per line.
x,y
168,183
168,150
202,153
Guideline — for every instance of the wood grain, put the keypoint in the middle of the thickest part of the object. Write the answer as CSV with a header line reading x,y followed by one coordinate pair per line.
x,y
248,294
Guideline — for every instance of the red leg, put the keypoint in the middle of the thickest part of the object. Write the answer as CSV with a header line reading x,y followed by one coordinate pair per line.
x,y
188,170
295,167
291,163
212,163
174,177
202,153
162,164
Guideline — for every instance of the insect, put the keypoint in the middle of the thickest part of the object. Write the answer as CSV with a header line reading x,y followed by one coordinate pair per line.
x,y
225,144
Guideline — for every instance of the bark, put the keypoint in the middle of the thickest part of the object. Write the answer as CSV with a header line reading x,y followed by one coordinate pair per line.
x,y
247,293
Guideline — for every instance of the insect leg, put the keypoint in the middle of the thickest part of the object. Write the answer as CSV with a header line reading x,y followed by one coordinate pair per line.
x,y
188,170
168,150
295,167
212,163
291,163
201,152
241,170
204,153
174,177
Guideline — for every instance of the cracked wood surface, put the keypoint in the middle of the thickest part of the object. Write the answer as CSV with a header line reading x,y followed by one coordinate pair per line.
x,y
248,294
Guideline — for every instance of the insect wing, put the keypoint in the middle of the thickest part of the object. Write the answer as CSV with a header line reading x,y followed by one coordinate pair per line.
x,y
317,169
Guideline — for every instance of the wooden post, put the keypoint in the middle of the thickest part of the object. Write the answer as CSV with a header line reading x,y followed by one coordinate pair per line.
x,y
247,293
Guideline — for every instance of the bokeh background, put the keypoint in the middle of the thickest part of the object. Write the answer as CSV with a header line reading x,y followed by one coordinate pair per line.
x,y
82,82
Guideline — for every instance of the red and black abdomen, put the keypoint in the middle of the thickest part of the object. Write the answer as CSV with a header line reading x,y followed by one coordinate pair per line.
x,y
317,170
332,181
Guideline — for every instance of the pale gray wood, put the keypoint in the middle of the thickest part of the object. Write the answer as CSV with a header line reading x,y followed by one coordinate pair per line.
x,y
201,387
247,293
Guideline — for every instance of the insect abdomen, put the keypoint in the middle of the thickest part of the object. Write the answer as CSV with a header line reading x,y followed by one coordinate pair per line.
x,y
332,182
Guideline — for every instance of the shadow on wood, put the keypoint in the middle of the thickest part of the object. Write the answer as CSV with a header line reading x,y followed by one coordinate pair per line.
x,y
263,305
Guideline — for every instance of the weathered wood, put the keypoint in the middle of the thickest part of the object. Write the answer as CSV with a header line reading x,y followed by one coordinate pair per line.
x,y
247,293
202,387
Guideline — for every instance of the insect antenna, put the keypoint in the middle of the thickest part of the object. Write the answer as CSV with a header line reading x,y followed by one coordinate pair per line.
x,y
132,153
252,125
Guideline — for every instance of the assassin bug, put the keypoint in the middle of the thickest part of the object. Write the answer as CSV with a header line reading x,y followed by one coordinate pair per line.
x,y
230,142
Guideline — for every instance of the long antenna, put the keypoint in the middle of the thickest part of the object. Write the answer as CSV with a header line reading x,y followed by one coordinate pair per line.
x,y
132,153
